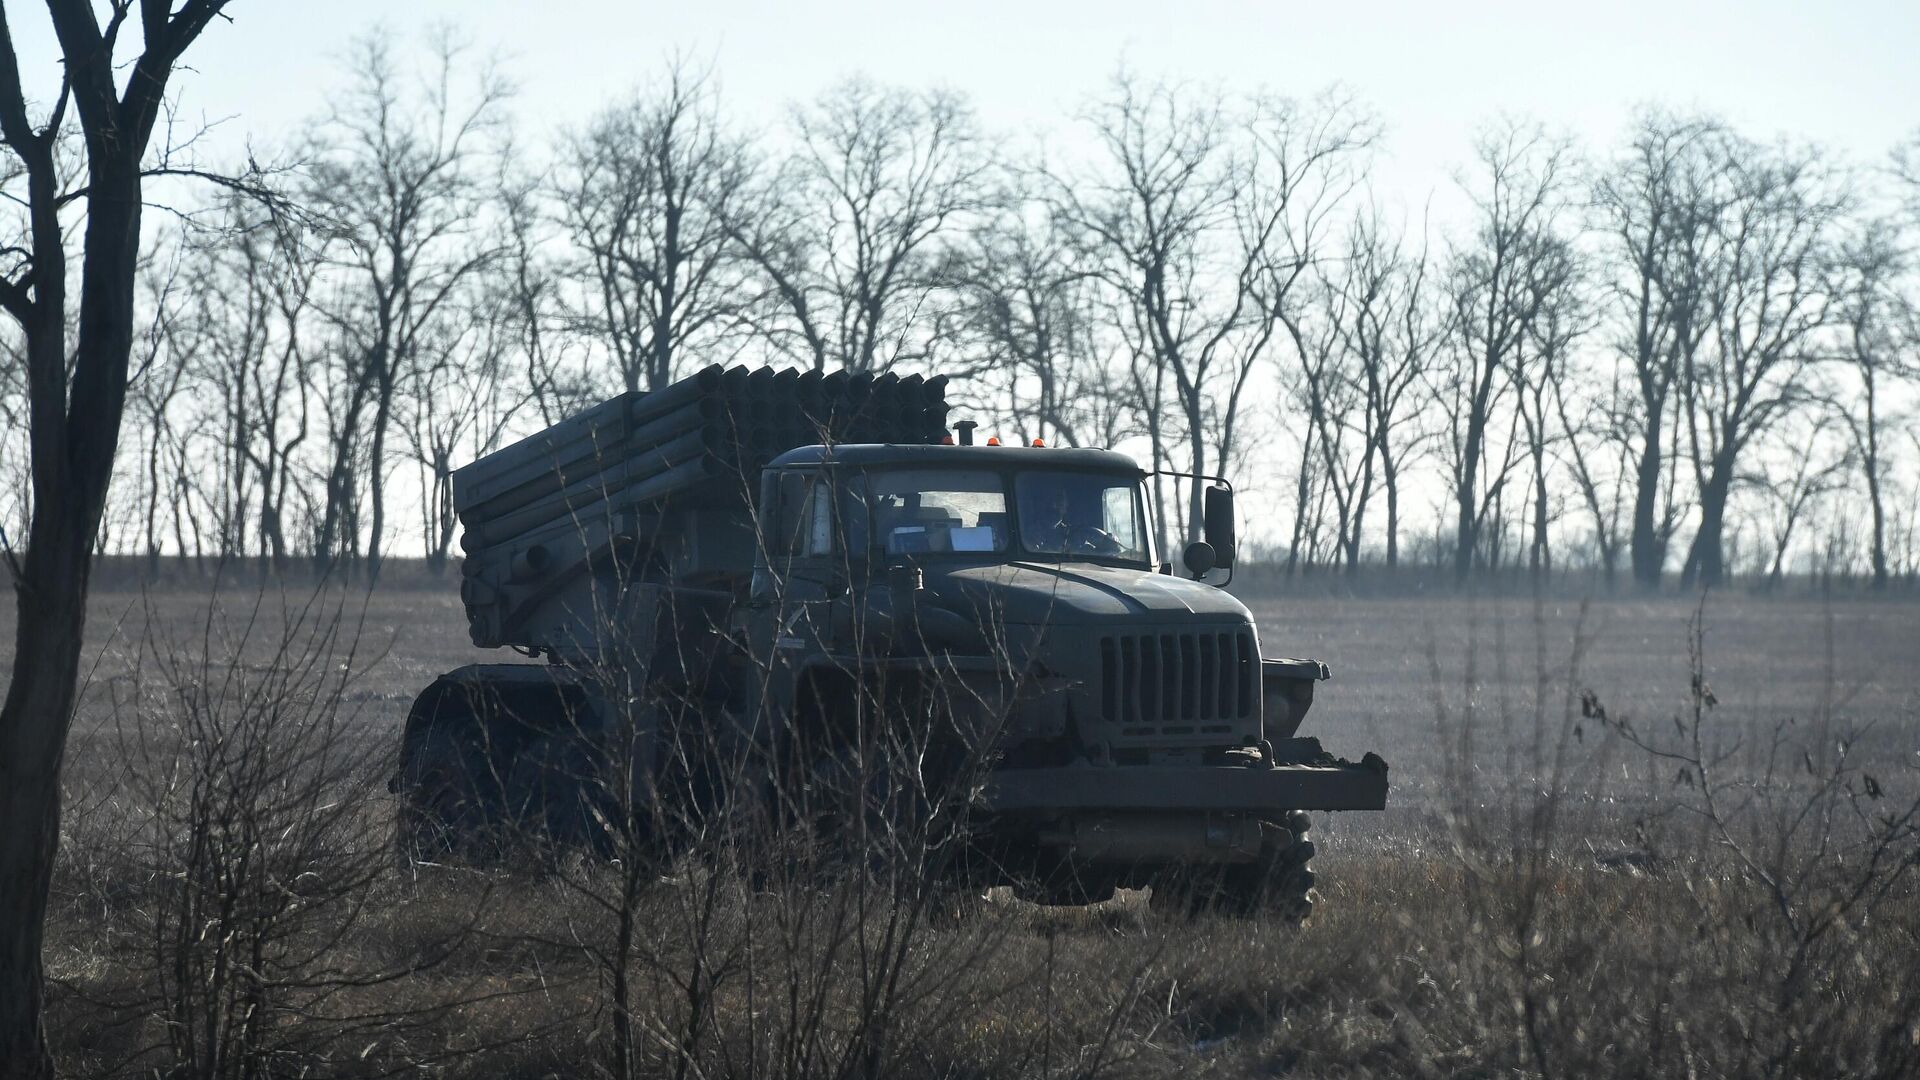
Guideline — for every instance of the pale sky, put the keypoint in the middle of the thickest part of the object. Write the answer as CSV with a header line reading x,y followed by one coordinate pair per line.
x,y
1843,72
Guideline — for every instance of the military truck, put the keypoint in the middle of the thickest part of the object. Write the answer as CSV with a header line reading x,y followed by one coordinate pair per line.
x,y
760,567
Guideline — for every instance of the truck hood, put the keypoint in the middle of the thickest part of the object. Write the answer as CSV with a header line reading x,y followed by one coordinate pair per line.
x,y
1075,593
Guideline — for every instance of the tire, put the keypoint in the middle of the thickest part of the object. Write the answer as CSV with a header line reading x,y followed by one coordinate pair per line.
x,y
554,797
449,798
1278,884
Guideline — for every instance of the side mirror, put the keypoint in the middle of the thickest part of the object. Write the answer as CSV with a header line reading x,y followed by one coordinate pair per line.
x,y
1199,558
1218,524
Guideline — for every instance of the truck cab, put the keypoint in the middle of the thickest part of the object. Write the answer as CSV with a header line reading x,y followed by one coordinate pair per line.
x,y
1044,559
1134,725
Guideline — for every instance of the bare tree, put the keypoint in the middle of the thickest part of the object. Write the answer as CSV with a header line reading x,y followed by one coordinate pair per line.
x,y
230,316
1497,289
525,290
1302,161
1559,320
457,404
155,383
1032,315
1811,469
76,396
279,271
645,192
1207,224
1321,395
403,175
1164,191
1147,396
850,233
1378,299
1877,336
1657,205
1589,405
1768,299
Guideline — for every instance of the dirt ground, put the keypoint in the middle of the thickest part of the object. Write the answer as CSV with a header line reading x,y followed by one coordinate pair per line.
x,y
1393,659
1427,956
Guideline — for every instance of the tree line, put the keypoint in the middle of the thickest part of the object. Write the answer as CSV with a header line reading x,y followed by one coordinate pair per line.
x,y
1691,351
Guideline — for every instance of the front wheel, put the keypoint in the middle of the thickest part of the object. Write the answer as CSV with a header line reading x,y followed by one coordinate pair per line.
x,y
1278,883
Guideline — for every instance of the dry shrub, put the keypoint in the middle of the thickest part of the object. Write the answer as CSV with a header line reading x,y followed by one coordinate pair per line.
x,y
249,848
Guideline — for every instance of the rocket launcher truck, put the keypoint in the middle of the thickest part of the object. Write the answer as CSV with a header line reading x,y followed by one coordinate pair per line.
x,y
740,587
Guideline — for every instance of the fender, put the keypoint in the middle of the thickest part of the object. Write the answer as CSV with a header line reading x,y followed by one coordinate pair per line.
x,y
496,704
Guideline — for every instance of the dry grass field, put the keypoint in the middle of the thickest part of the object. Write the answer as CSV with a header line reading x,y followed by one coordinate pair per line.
x,y
1595,863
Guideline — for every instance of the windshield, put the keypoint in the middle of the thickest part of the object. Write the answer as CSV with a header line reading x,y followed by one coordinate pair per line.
x,y
1079,513
967,511
930,511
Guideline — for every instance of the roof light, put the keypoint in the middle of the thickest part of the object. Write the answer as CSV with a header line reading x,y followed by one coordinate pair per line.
x,y
946,440
993,440
1039,442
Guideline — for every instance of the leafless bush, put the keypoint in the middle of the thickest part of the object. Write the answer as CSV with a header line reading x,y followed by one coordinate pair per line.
x,y
252,853
1768,884
1813,854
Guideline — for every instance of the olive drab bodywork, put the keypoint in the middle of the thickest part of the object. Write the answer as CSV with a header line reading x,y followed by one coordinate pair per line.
x,y
750,557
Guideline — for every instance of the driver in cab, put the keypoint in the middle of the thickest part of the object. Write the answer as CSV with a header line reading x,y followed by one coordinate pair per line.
x,y
1061,517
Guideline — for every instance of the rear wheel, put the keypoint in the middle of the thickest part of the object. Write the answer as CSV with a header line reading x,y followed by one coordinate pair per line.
x,y
557,798
449,797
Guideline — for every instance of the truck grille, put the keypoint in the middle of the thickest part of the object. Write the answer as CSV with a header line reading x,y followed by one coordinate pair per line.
x,y
1178,683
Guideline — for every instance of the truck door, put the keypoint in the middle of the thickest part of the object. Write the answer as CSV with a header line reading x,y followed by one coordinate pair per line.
x,y
801,570
800,548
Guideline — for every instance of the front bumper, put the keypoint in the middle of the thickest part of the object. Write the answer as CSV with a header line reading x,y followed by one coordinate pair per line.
x,y
1275,789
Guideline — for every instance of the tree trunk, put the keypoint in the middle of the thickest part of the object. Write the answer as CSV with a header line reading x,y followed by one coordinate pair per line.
x,y
48,621
1357,526
1539,557
1159,489
1875,502
1303,491
75,434
1879,534
1466,533
273,543
444,518
1649,553
1706,559
1467,528
377,479
333,515
76,416
339,519
153,506
1390,476
1196,513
